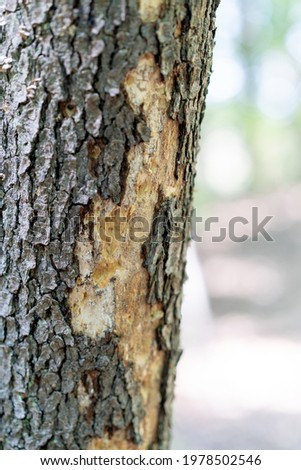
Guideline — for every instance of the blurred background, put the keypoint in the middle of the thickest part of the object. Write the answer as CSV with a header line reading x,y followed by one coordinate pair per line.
x,y
239,383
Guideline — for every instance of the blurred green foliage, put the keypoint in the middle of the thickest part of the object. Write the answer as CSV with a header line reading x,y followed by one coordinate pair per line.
x,y
254,100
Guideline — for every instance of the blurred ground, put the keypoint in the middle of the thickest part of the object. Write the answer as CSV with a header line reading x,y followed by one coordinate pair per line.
x,y
239,382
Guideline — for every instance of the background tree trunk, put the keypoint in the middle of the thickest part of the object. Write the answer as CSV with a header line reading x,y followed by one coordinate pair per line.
x,y
101,106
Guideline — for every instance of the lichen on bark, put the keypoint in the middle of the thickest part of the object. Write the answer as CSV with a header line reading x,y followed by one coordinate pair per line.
x,y
101,105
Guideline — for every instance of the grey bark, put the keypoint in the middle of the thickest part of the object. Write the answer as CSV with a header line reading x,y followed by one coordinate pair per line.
x,y
63,63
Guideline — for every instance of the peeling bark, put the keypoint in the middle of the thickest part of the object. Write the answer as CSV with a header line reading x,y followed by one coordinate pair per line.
x,y
101,105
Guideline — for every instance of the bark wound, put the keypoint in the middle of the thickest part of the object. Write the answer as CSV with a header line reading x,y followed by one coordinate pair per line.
x,y
149,10
111,290
117,441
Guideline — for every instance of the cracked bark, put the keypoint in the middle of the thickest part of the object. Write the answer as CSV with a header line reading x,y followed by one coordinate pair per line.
x,y
101,103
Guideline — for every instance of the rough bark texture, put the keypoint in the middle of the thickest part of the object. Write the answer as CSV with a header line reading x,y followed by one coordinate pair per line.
x,y
101,102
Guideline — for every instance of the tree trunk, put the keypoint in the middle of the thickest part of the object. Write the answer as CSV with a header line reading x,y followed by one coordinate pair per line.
x,y
101,106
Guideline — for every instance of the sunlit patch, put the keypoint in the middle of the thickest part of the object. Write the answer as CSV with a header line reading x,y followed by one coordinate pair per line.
x,y
196,312
240,374
229,20
278,86
256,280
293,41
226,162
233,78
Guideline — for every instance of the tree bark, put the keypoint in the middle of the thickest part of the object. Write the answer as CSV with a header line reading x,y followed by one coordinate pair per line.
x,y
101,105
